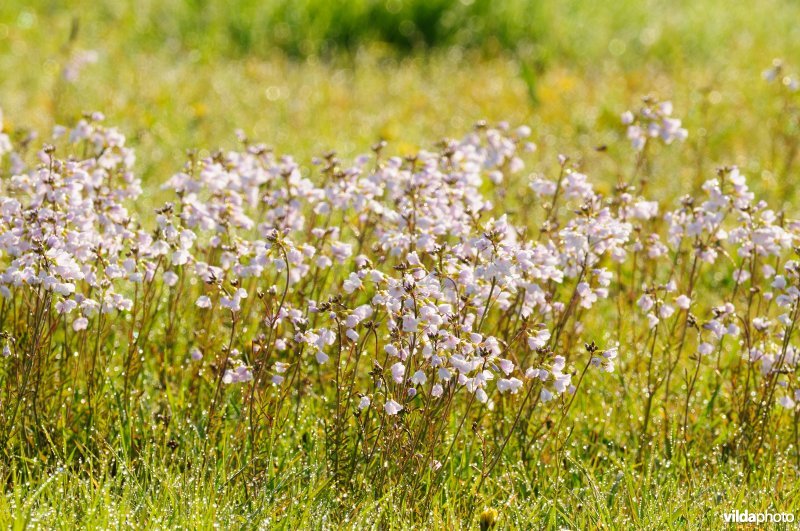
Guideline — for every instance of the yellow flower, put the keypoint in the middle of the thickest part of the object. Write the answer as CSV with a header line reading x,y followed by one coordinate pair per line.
x,y
488,518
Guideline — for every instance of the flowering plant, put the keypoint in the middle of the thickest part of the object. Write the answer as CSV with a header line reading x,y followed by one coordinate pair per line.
x,y
393,291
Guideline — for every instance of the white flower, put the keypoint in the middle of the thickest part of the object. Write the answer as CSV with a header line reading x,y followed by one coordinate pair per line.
x,y
66,306
507,366
352,283
645,209
409,323
391,350
786,402
627,118
511,385
240,374
398,371
392,408
645,303
203,302
233,302
180,257
481,395
704,349
539,340
562,381
170,278
321,357
418,378
364,402
683,302
341,251
545,395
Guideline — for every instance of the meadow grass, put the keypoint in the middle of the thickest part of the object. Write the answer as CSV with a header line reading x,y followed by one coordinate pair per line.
x,y
175,76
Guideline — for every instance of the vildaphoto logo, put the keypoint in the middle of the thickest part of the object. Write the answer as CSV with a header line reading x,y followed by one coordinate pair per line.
x,y
745,517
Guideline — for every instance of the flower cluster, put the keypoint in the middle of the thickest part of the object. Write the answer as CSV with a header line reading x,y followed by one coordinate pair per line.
x,y
731,231
653,120
66,230
396,288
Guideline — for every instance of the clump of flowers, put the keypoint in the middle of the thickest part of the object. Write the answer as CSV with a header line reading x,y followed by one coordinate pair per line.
x,y
653,120
392,290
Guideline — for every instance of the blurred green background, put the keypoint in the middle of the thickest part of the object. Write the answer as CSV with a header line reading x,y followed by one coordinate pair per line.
x,y
309,75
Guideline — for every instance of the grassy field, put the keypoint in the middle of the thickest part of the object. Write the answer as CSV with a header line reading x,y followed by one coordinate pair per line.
x,y
310,76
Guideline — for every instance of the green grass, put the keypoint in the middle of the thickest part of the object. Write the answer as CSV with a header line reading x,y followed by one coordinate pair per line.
x,y
307,76
617,499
